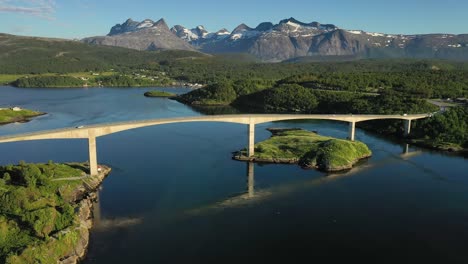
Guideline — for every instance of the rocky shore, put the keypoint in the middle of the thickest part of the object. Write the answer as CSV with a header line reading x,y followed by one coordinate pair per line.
x,y
85,196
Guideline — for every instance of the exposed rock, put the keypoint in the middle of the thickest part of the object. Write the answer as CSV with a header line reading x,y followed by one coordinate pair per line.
x,y
85,218
145,35
288,39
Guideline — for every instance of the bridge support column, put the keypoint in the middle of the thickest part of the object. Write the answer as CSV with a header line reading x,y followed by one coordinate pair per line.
x,y
93,166
250,179
251,139
352,131
407,127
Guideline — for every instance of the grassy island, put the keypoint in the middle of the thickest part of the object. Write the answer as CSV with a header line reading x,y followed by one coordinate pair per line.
x,y
45,212
11,115
307,149
157,93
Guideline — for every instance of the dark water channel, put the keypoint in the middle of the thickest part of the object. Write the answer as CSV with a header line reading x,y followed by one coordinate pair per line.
x,y
175,195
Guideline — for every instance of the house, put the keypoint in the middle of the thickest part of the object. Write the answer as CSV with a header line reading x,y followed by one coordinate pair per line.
x,y
16,108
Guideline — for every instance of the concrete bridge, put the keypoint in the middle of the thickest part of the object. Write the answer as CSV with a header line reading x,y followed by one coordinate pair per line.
x,y
94,131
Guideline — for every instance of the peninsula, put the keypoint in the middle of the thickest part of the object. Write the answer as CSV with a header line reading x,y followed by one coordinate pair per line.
x,y
156,93
308,149
46,211
16,114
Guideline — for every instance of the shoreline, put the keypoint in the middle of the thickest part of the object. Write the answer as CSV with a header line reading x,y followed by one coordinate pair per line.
x,y
49,240
85,216
442,148
297,161
23,119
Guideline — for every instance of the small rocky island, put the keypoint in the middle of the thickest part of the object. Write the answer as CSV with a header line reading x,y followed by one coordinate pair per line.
x,y
46,211
17,114
308,149
157,93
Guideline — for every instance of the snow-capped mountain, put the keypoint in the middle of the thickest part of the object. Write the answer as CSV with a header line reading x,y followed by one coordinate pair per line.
x,y
288,39
199,35
145,35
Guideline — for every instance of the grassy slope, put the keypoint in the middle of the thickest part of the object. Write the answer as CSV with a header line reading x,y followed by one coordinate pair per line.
x,y
311,150
34,208
8,115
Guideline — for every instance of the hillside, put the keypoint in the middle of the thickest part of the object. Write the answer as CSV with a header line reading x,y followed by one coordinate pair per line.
x,y
34,55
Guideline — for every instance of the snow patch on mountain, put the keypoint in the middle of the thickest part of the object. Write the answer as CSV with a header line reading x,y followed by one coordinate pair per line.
x,y
356,32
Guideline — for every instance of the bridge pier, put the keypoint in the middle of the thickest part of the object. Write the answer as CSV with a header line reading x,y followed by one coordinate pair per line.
x,y
250,179
352,130
93,166
407,127
251,150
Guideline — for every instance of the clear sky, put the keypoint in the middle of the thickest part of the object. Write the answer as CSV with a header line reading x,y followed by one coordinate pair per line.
x,y
84,18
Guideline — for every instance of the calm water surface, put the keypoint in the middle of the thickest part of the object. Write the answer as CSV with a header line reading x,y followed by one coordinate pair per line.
x,y
175,195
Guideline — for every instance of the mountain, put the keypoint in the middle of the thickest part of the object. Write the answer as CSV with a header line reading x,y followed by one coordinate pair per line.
x,y
145,35
199,36
289,39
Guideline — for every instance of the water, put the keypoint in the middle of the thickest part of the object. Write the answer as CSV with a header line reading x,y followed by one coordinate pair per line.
x,y
175,195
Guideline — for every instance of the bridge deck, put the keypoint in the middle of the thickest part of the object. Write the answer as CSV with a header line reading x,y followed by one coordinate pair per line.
x,y
252,119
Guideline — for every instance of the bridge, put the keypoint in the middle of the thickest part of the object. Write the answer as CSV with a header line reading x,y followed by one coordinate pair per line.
x,y
94,131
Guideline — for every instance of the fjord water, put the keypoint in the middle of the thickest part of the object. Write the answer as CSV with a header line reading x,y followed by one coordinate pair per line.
x,y
176,196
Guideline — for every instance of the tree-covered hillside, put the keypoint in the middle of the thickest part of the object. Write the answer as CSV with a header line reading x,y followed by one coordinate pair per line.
x,y
31,55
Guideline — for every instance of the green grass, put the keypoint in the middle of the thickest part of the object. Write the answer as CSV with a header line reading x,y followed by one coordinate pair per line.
x,y
8,115
9,78
157,93
311,150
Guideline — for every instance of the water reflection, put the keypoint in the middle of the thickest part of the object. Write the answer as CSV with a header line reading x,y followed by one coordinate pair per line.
x,y
250,179
406,154
253,195
103,224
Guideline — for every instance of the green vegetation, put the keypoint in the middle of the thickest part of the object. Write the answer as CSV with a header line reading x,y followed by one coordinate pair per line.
x,y
131,81
35,210
448,130
309,150
9,115
91,79
9,78
33,55
49,81
157,93
422,83
223,93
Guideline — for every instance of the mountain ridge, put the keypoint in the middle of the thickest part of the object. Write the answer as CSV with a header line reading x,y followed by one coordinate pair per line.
x,y
286,40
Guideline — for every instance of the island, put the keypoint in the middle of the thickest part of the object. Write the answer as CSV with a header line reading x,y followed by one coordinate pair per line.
x,y
156,93
308,149
17,114
46,211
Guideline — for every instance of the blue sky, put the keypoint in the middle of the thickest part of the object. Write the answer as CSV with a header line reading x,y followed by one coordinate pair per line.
x,y
82,18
